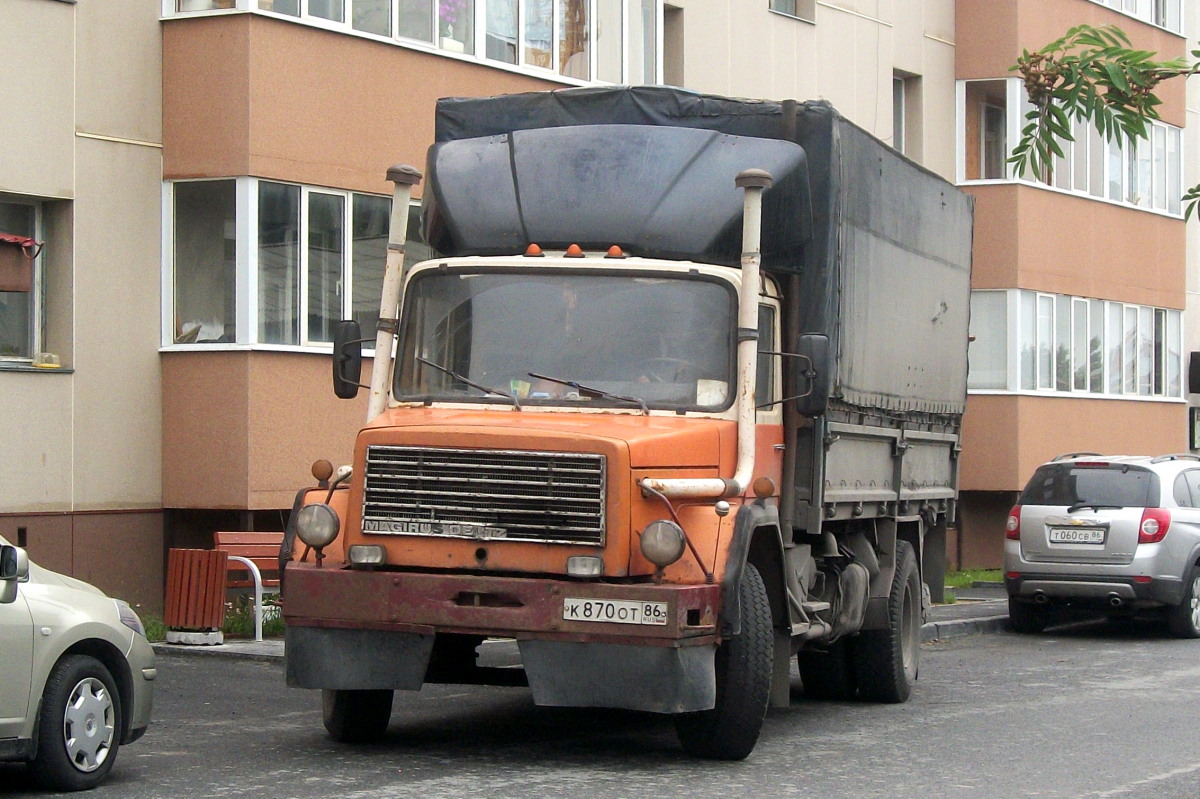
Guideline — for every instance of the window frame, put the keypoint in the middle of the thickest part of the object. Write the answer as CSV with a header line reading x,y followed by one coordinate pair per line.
x,y
35,334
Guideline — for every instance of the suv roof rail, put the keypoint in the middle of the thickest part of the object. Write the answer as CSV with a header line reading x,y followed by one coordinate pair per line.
x,y
1178,456
1066,456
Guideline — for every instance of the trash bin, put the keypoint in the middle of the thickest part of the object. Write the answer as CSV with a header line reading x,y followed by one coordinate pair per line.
x,y
195,606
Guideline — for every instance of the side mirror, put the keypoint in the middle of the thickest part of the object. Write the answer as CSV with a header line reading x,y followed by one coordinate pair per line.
x,y
347,359
14,566
812,374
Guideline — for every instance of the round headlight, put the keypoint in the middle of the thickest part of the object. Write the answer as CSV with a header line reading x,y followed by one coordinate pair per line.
x,y
662,542
317,525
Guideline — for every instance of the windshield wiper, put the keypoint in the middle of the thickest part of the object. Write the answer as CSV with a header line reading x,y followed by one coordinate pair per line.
x,y
592,392
1093,505
477,386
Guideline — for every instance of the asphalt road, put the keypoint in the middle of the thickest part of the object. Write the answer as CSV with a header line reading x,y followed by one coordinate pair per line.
x,y
1086,711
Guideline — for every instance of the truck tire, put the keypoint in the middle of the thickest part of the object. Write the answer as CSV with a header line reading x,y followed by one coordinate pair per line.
x,y
886,661
828,675
356,717
79,725
1026,617
743,664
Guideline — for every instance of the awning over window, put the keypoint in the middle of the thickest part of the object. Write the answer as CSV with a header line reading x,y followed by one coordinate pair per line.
x,y
16,261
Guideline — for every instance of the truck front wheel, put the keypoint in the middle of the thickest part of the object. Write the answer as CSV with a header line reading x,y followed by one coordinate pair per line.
x,y
743,663
886,660
356,716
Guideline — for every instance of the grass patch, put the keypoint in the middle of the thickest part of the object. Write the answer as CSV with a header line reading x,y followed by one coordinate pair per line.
x,y
239,618
968,577
156,630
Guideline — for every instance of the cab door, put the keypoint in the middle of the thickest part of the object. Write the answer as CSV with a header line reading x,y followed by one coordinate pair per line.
x,y
16,664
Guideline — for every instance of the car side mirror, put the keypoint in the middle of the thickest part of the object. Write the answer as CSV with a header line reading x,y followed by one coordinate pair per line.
x,y
812,374
347,358
14,566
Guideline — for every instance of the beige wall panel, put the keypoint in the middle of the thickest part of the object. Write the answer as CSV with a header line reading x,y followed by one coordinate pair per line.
x,y
37,71
295,419
1006,437
117,329
1073,245
205,413
992,33
36,443
205,100
119,83
122,555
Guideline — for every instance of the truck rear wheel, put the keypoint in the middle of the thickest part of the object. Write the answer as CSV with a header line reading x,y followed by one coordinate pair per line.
x,y
356,716
743,663
886,660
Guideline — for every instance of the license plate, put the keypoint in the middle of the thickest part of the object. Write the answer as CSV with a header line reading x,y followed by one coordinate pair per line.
x,y
1076,535
616,611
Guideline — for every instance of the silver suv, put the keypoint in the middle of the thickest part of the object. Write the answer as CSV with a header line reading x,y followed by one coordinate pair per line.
x,y
1114,533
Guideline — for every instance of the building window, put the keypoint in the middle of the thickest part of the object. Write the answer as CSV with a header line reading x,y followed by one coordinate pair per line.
x,y
20,322
1032,341
1143,174
801,9
318,256
1163,13
614,41
204,260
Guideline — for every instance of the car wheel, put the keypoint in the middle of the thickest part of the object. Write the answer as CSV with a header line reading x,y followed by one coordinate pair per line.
x,y
1184,618
886,661
1025,617
828,675
743,663
79,725
356,717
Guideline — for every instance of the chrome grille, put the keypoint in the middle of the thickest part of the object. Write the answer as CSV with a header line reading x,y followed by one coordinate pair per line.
x,y
485,494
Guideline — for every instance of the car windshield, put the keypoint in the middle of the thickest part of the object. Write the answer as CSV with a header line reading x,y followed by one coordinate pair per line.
x,y
1116,485
548,337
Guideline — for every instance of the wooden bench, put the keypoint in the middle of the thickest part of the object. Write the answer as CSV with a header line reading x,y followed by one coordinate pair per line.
x,y
254,556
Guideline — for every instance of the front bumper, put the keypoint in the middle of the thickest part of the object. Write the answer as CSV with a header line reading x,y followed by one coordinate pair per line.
x,y
354,630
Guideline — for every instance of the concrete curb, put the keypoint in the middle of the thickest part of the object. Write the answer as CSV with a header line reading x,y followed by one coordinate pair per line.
x,y
960,628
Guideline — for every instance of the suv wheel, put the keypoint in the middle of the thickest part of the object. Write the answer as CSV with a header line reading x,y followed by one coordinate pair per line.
x,y
1184,618
1025,617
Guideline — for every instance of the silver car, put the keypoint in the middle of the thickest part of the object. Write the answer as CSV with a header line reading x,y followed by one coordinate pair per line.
x,y
76,674
1114,533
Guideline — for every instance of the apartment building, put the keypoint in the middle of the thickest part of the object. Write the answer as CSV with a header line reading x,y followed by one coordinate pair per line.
x,y
208,179
1079,278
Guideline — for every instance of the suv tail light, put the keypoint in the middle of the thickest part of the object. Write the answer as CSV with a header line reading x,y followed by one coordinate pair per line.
x,y
1012,529
1154,526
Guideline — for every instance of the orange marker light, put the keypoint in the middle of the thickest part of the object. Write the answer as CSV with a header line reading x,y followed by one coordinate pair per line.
x,y
533,251
574,251
615,252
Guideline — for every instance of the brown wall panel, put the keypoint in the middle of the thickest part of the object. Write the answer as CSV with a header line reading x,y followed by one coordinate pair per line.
x,y
1005,437
241,429
206,87
204,429
979,540
272,110
1033,238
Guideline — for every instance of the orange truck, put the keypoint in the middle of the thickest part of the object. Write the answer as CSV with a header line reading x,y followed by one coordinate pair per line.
x,y
677,400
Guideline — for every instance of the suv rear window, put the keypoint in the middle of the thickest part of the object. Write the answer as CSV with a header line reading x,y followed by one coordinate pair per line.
x,y
1069,484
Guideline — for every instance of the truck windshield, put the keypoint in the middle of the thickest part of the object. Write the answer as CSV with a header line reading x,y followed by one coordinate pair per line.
x,y
666,340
